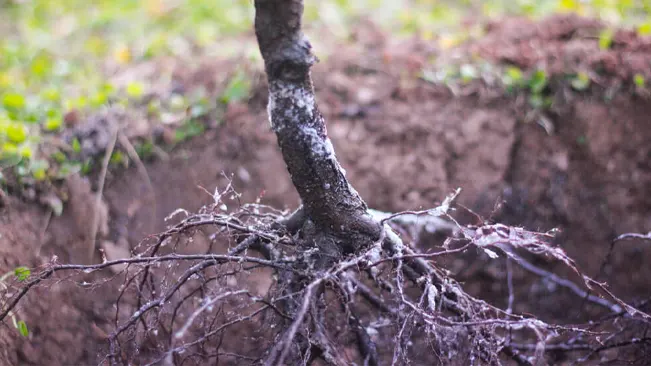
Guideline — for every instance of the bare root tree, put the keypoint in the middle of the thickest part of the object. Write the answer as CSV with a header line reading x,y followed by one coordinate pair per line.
x,y
347,284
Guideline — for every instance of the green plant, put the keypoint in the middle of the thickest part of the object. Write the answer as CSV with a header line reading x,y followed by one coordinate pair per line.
x,y
21,274
537,82
237,89
605,38
189,129
537,85
145,150
48,71
644,29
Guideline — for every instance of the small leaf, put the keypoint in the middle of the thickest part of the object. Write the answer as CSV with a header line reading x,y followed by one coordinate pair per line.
x,y
67,169
191,129
22,328
58,156
538,81
76,145
86,167
52,94
153,107
26,152
16,133
99,99
580,82
135,90
39,174
238,88
639,80
145,150
53,124
512,77
13,100
41,65
9,155
22,273
117,158
644,29
108,89
81,102
568,5
39,168
605,39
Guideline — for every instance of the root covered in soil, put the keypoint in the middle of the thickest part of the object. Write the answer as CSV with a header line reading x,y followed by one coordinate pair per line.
x,y
387,303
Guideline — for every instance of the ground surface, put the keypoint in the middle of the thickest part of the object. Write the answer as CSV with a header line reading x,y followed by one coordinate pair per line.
x,y
405,144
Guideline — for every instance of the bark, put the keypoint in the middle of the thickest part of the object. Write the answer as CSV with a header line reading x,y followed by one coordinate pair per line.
x,y
335,216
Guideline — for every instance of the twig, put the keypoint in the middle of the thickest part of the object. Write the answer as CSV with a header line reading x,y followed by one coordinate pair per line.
x,y
211,258
181,332
565,283
133,155
633,236
626,236
509,282
100,192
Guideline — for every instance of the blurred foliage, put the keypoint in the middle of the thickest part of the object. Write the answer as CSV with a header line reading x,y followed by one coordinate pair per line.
x,y
21,274
58,56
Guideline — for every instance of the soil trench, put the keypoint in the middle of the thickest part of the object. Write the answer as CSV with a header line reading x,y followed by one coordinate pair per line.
x,y
405,144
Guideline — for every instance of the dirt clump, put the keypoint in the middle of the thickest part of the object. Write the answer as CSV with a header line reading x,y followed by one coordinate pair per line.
x,y
565,45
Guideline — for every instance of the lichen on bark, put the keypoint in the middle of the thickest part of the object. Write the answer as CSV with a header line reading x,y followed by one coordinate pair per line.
x,y
336,217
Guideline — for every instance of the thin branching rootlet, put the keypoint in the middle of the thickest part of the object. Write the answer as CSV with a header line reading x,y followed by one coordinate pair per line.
x,y
333,282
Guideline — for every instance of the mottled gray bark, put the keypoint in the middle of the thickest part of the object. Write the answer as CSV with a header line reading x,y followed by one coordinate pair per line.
x,y
335,216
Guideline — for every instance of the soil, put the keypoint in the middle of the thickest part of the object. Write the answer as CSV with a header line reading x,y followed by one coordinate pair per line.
x,y
405,144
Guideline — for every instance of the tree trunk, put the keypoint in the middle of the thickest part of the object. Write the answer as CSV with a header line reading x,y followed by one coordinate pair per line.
x,y
335,216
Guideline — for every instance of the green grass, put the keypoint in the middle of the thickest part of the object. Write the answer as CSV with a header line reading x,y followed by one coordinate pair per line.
x,y
57,56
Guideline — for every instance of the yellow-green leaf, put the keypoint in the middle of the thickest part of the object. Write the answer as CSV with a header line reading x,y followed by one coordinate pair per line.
x,y
135,90
512,77
76,145
237,89
538,81
39,168
13,100
639,80
26,151
9,155
644,29
605,39
53,124
16,133
22,273
22,328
